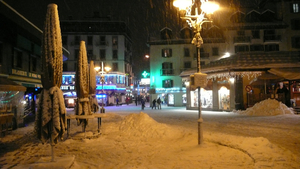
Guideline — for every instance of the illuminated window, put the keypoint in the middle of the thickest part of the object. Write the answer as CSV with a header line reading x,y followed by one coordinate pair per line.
x,y
166,53
295,7
167,83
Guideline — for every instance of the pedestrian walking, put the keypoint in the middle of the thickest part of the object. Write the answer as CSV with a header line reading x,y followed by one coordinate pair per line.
x,y
117,100
136,100
154,103
158,103
143,103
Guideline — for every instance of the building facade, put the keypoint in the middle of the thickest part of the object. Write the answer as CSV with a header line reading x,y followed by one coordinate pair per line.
x,y
240,48
107,42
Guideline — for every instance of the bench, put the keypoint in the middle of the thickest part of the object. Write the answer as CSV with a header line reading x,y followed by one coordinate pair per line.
x,y
86,117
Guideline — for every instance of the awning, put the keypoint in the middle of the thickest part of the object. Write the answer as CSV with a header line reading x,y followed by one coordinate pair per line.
x,y
287,73
8,85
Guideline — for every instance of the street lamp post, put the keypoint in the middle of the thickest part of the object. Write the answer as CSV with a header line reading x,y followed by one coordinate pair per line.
x,y
195,17
103,71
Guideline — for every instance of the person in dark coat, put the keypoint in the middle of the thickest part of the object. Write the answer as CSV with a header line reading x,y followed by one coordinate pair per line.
x,y
154,103
158,103
143,103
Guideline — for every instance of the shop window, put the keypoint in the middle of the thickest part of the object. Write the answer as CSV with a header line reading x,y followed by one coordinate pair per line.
x,y
296,42
255,34
186,52
254,48
102,54
167,83
184,100
166,53
271,47
224,98
215,51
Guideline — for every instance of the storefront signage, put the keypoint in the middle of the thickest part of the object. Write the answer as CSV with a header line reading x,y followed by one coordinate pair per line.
x,y
19,72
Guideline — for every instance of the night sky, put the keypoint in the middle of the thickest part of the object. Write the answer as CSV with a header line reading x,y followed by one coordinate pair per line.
x,y
144,17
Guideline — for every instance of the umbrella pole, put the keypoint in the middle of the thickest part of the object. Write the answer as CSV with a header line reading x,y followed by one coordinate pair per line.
x,y
51,128
265,87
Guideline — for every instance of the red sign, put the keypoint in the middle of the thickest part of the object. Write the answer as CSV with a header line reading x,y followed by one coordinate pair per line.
x,y
248,88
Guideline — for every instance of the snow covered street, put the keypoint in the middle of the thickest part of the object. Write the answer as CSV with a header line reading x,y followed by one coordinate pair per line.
x,y
166,138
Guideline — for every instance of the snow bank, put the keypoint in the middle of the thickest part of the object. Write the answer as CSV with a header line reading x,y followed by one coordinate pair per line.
x,y
268,107
143,126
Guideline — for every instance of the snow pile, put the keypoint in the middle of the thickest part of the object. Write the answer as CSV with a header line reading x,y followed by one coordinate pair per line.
x,y
268,107
143,126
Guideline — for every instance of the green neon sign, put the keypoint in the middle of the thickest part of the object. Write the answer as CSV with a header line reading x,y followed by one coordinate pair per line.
x,y
145,74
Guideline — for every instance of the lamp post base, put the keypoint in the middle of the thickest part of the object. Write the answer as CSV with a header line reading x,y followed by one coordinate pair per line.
x,y
102,110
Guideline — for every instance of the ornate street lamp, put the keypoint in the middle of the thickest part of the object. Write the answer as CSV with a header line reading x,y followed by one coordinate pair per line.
x,y
195,17
103,71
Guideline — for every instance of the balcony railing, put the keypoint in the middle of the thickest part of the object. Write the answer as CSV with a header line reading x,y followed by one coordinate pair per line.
x,y
166,72
241,39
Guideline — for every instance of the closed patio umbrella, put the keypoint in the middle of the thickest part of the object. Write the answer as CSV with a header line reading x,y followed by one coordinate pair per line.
x,y
51,114
81,86
92,90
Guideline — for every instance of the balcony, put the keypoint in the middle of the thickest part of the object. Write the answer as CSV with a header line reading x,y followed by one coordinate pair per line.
x,y
272,38
166,72
242,39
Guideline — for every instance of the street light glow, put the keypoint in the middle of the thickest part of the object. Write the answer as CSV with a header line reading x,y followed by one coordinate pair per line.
x,y
209,7
182,4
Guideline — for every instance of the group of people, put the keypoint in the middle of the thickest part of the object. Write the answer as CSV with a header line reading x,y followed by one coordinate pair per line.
x,y
158,101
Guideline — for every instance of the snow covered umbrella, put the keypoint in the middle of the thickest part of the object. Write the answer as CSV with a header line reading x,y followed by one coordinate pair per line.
x,y
81,86
51,114
92,85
